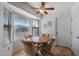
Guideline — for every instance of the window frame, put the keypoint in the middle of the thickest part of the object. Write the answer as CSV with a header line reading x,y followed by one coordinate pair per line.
x,y
9,26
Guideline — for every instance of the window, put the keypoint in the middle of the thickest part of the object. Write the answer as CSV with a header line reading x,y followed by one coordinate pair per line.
x,y
35,23
21,27
24,27
6,27
35,27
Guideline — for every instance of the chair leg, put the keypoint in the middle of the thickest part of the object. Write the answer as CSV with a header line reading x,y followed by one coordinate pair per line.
x,y
47,53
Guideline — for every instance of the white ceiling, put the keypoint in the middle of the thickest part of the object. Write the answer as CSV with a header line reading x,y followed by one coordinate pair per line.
x,y
60,7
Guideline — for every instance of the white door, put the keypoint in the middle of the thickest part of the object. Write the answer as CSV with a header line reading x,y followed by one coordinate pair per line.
x,y
63,31
75,34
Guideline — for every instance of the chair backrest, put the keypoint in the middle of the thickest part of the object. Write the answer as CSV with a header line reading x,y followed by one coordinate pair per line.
x,y
45,35
47,47
50,42
27,36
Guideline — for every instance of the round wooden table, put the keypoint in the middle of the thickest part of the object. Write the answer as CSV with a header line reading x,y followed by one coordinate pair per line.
x,y
37,44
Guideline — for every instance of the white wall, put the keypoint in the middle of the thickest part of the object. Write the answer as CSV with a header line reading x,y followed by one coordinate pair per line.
x,y
75,28
62,26
1,38
63,30
48,29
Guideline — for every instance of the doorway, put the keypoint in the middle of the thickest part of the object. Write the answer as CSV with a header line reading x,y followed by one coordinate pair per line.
x,y
75,35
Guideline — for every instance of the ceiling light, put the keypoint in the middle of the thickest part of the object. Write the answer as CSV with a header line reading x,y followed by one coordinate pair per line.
x,y
41,11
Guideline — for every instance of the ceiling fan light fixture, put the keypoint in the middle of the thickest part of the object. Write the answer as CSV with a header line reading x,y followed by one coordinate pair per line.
x,y
41,11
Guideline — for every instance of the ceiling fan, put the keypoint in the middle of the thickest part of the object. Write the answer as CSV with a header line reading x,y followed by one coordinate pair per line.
x,y
43,9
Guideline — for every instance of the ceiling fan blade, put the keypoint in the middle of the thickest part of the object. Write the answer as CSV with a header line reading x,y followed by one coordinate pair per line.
x,y
42,4
45,12
35,8
38,12
49,8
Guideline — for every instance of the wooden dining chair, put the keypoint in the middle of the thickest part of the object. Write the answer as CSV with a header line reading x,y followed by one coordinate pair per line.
x,y
36,48
47,47
45,35
26,37
28,47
